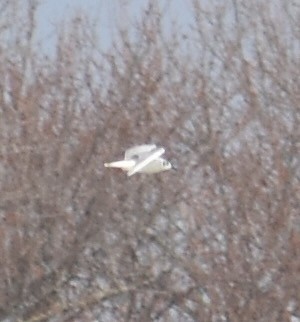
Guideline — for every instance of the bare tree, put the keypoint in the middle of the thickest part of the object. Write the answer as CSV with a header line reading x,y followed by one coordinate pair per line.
x,y
218,240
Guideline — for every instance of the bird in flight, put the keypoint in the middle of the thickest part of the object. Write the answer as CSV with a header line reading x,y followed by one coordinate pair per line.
x,y
143,159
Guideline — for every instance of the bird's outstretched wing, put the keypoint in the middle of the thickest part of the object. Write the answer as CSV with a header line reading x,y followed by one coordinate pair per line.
x,y
139,151
149,157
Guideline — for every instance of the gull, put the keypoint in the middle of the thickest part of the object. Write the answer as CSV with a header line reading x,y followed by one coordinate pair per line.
x,y
143,159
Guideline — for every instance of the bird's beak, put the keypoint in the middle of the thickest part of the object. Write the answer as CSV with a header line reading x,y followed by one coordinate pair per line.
x,y
174,167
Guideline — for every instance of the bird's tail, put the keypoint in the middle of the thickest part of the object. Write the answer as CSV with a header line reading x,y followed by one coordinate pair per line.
x,y
123,164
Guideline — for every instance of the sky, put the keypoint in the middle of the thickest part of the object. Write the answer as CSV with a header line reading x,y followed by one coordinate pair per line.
x,y
107,12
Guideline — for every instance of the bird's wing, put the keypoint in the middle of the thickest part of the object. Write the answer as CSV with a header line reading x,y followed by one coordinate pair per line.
x,y
139,151
145,161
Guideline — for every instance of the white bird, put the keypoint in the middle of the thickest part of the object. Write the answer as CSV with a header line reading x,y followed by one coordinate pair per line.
x,y
142,158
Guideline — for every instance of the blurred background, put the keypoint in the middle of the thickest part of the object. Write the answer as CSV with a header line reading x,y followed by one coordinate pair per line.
x,y
217,84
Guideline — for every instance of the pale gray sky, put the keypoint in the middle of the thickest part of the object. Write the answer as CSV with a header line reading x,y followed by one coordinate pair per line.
x,y
107,13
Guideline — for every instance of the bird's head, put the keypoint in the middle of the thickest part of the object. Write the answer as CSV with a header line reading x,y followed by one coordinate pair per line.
x,y
166,165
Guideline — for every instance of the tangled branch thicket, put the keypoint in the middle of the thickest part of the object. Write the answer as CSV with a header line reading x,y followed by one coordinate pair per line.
x,y
217,241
